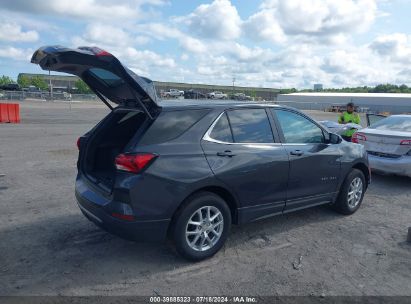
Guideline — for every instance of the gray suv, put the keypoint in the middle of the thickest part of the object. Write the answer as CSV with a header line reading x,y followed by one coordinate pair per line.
x,y
153,170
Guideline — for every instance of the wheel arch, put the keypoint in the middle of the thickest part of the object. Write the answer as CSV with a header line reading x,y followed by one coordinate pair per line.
x,y
364,169
359,165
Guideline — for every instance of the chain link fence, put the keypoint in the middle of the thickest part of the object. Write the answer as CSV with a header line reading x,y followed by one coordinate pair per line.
x,y
21,95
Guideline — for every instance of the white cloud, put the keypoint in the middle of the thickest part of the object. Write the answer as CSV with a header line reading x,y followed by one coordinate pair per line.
x,y
106,34
140,39
162,31
246,54
264,26
192,44
218,20
299,66
93,9
321,20
15,53
396,47
355,66
144,58
14,32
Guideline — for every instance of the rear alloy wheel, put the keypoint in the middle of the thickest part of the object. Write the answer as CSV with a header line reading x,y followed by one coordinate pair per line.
x,y
201,227
351,193
204,228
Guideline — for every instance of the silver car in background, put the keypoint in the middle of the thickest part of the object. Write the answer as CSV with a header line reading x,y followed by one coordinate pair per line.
x,y
388,143
339,129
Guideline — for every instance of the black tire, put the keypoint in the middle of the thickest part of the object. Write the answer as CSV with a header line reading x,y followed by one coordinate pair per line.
x,y
180,225
342,204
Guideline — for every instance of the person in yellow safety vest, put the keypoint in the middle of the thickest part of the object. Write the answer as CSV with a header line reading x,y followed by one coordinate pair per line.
x,y
349,116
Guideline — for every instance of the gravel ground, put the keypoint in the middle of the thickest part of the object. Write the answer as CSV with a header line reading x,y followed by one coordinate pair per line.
x,y
47,247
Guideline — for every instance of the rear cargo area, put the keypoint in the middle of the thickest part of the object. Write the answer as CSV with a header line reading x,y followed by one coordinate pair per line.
x,y
108,140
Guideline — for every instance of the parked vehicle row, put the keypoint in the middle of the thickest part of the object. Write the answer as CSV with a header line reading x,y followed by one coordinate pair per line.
x,y
195,94
246,161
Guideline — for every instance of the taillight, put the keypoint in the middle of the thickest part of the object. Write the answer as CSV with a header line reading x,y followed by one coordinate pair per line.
x,y
78,143
405,142
134,163
356,137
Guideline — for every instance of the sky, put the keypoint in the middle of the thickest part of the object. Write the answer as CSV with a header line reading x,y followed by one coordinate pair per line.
x,y
265,43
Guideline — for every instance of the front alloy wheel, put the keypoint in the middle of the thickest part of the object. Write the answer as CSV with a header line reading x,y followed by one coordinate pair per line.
x,y
351,193
355,192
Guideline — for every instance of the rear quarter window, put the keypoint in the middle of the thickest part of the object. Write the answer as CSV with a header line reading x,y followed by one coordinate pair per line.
x,y
170,125
221,130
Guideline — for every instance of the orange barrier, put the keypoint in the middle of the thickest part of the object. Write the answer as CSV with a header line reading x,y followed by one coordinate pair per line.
x,y
4,113
9,112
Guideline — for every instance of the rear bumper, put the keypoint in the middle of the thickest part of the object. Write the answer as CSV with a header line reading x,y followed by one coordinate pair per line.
x,y
398,166
139,230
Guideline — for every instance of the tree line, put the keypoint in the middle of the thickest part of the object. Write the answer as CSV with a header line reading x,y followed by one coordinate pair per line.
x,y
24,82
381,88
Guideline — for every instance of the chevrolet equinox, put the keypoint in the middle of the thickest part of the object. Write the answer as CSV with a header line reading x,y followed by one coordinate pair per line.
x,y
153,170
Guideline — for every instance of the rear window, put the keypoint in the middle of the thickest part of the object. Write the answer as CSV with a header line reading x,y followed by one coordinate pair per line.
x,y
393,123
170,125
106,77
250,126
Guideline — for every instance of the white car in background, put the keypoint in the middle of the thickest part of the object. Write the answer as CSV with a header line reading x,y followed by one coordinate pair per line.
x,y
217,95
173,93
241,96
388,143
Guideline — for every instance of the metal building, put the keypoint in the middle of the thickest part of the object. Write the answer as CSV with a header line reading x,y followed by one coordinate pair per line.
x,y
374,102
58,82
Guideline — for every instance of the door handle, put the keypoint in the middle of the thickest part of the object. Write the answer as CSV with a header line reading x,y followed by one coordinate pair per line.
x,y
226,153
297,152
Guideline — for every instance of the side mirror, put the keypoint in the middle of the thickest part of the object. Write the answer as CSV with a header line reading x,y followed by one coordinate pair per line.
x,y
334,138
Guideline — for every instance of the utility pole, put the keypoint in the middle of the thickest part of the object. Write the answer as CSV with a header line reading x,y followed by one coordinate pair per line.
x,y
233,84
50,87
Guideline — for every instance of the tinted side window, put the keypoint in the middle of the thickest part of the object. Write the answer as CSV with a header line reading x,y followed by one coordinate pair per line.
x,y
170,125
298,129
221,130
250,126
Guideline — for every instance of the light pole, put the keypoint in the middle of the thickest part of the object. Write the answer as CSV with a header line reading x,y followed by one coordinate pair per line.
x,y
233,84
51,88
